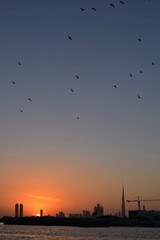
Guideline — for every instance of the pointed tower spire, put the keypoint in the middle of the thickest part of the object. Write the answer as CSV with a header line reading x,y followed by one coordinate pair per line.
x,y
123,213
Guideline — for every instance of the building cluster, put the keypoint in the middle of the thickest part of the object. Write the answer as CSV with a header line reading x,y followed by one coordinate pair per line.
x,y
18,210
133,214
60,215
98,211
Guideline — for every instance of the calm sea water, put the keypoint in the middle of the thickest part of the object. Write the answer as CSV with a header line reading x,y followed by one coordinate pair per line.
x,y
11,232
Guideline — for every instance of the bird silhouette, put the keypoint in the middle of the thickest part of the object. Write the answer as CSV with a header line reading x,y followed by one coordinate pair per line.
x,y
130,75
69,37
71,90
13,82
19,63
139,96
21,110
140,71
122,2
94,9
82,9
78,118
139,39
153,63
29,99
112,5
115,86
77,76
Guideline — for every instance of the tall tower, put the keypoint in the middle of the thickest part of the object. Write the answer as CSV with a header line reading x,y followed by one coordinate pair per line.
x,y
21,210
41,212
16,210
123,213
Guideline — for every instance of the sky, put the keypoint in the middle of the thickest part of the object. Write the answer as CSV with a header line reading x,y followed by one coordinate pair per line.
x,y
68,151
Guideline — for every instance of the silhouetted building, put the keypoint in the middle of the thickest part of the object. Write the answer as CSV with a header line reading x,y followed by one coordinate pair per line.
x,y
123,212
60,214
133,214
86,214
41,213
16,210
21,210
98,211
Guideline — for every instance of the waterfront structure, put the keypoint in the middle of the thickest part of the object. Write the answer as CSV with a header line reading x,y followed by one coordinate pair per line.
x,y
123,211
21,210
98,210
16,210
133,214
75,215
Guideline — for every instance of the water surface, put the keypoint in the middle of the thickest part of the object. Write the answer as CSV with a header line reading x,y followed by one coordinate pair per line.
x,y
15,232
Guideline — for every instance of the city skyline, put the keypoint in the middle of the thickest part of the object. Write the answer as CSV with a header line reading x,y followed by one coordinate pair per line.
x,y
79,102
96,211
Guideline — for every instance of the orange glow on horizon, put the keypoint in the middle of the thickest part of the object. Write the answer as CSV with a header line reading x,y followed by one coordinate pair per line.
x,y
45,198
67,187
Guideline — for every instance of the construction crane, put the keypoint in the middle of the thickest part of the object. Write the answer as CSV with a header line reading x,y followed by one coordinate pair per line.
x,y
140,200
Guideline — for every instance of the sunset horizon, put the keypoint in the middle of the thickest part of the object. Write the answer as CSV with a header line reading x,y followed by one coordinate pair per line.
x,y
79,102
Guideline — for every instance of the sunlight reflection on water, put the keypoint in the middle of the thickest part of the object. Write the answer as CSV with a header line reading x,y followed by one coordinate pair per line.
x,y
12,232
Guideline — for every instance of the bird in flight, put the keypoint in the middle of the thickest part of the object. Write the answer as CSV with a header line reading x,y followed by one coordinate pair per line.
x,y
94,9
139,39
13,82
29,99
115,86
138,96
130,75
71,90
122,2
112,5
153,63
19,63
78,118
82,9
140,71
69,37
77,76
21,110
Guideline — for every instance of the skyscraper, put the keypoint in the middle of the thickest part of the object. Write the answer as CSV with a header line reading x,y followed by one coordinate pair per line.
x,y
16,210
21,210
123,212
98,211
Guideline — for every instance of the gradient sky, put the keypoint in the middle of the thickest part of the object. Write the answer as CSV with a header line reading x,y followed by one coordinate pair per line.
x,y
48,158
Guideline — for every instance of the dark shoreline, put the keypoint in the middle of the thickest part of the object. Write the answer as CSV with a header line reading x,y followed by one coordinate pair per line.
x,y
82,222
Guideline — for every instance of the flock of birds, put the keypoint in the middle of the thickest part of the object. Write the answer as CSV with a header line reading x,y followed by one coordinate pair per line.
x,y
139,39
13,82
29,99
76,76
111,4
